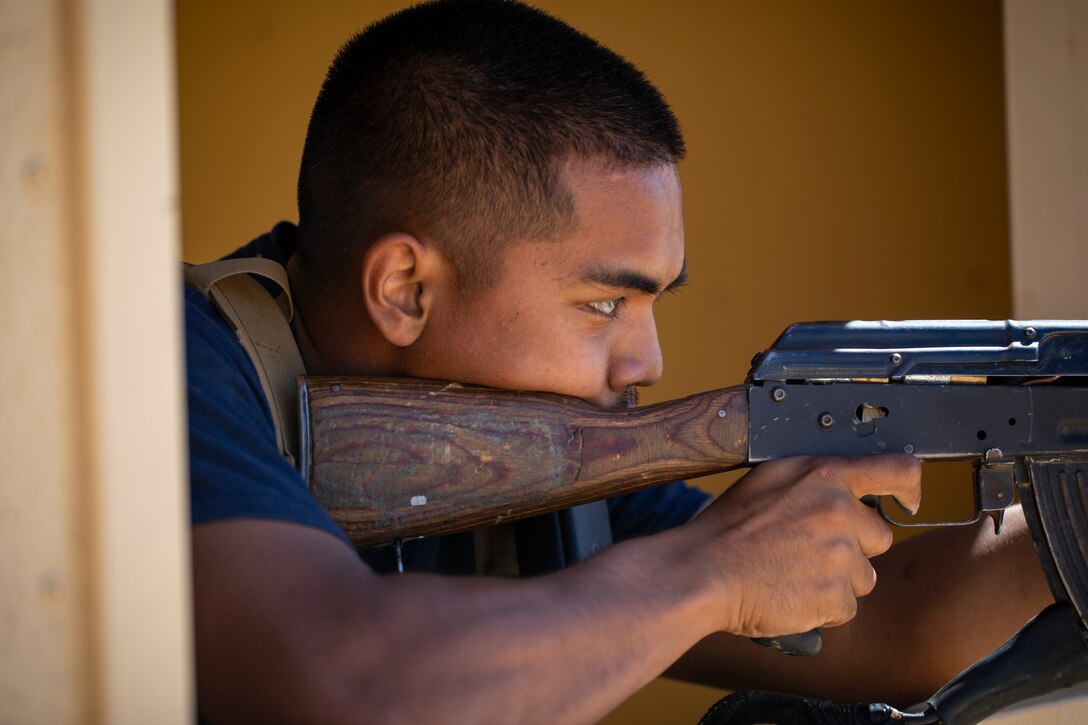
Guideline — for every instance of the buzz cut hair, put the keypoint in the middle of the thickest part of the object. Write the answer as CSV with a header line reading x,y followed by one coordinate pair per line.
x,y
453,120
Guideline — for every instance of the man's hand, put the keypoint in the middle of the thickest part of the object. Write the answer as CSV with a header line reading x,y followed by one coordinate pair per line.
x,y
793,540
945,599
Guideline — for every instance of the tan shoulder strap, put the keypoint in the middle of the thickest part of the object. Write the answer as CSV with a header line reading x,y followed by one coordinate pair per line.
x,y
263,326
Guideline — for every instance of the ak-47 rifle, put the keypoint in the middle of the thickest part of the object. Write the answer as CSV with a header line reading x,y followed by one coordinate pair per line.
x,y
401,458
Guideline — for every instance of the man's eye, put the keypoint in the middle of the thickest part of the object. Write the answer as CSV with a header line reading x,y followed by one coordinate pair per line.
x,y
606,307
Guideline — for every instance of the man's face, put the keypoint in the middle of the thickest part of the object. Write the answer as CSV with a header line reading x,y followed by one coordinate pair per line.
x,y
575,316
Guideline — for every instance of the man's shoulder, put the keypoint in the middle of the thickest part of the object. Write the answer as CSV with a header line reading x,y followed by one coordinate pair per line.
x,y
203,323
277,244
236,470
210,343
219,368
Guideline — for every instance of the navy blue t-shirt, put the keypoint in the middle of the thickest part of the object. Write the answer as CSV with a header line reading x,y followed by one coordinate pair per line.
x,y
237,471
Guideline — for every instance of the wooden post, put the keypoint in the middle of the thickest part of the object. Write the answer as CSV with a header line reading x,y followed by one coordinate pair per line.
x,y
94,605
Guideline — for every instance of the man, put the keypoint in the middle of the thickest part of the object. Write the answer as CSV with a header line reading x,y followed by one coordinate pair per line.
x,y
490,197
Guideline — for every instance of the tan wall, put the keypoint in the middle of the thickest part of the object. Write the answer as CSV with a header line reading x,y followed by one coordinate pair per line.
x,y
1047,72
846,161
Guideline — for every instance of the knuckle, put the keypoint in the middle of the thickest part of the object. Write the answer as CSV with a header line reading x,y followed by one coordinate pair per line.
x,y
836,512
828,470
839,552
910,465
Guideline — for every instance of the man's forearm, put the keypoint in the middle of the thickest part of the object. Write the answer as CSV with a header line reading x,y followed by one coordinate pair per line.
x,y
333,643
562,648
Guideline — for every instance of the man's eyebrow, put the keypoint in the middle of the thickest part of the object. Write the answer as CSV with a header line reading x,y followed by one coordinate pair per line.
x,y
630,279
681,279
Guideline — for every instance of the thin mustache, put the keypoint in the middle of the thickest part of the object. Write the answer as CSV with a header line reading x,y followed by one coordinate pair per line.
x,y
627,399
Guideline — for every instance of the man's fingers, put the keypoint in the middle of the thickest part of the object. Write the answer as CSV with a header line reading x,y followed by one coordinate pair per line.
x,y
874,534
893,474
804,520
863,578
845,610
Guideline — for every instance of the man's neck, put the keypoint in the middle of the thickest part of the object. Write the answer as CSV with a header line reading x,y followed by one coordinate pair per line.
x,y
333,339
312,357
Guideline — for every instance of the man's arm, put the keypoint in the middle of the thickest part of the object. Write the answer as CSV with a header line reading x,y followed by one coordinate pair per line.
x,y
943,600
291,626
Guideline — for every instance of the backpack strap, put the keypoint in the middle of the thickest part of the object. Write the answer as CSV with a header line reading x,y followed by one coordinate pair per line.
x,y
263,325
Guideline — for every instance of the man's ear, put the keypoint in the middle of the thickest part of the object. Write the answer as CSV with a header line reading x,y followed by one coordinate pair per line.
x,y
399,274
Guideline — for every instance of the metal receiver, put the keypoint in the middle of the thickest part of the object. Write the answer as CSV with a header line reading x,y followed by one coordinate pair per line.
x,y
1003,394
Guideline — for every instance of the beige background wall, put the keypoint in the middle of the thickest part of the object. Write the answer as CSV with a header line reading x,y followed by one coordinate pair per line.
x,y
1046,80
846,161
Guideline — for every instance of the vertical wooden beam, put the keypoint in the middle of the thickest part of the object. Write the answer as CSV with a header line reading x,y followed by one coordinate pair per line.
x,y
44,629
94,609
1046,70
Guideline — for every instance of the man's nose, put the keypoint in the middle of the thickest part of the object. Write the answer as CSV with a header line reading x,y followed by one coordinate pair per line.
x,y
636,358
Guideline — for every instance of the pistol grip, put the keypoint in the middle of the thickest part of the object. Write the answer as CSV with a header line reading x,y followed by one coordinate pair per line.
x,y
805,644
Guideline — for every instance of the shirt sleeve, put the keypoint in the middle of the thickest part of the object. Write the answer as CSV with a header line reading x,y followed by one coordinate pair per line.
x,y
235,467
654,509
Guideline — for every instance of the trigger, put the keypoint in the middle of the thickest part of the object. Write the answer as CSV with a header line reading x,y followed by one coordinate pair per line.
x,y
998,519
995,486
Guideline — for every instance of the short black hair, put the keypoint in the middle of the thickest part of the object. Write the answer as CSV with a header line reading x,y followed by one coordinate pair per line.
x,y
452,120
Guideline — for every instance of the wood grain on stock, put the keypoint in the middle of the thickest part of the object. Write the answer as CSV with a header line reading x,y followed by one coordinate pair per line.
x,y
397,458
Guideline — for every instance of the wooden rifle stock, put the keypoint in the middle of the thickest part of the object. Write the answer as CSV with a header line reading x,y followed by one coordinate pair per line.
x,y
391,458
